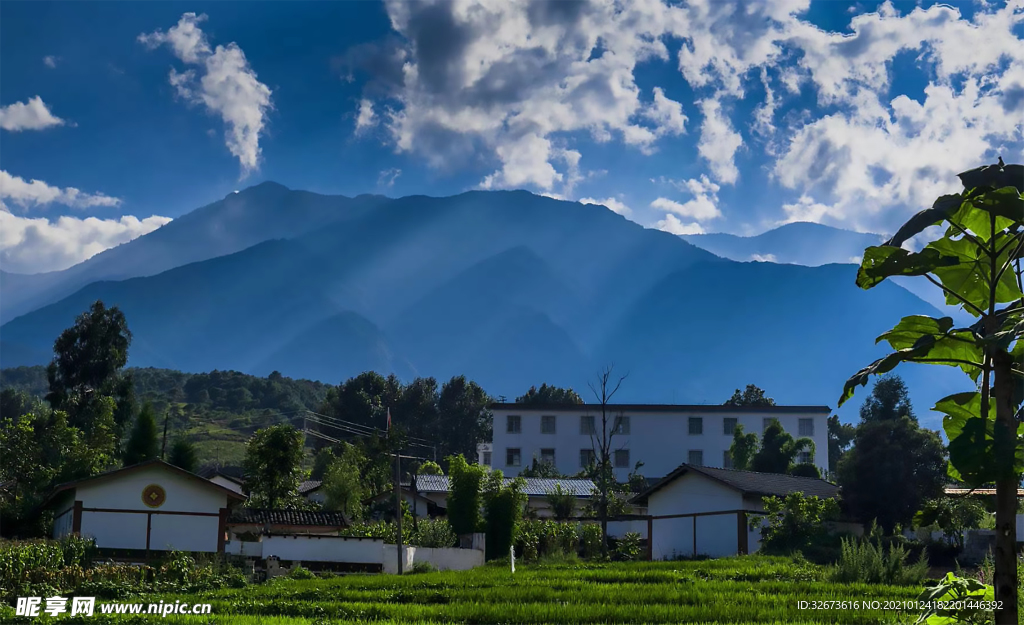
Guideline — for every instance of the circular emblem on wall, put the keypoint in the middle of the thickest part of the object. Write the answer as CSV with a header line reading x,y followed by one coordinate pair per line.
x,y
153,496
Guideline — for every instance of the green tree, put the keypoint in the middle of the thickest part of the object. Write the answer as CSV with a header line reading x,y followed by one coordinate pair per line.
x,y
953,515
976,262
465,418
840,437
273,458
322,461
794,522
88,361
889,400
562,502
893,467
805,469
465,500
143,444
539,468
503,511
343,483
743,448
429,468
549,395
183,455
778,450
750,396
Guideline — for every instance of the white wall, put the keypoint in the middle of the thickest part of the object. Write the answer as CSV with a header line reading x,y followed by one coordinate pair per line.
x,y
250,549
661,440
716,535
391,558
124,492
449,559
62,523
116,530
182,533
324,549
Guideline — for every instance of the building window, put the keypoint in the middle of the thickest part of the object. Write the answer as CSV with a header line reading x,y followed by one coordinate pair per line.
x,y
805,457
726,459
548,456
587,426
621,458
696,425
586,458
487,458
729,426
765,423
622,425
806,427
512,457
514,424
695,457
547,424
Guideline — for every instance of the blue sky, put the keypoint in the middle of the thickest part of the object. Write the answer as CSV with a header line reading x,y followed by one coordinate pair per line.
x,y
690,117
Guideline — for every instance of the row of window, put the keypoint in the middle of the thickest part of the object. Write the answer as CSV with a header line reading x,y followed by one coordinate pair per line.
x,y
514,457
588,426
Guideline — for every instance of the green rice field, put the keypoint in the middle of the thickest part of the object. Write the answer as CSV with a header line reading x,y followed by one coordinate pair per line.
x,y
734,590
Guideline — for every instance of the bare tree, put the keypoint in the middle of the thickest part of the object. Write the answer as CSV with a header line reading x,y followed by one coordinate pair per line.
x,y
603,471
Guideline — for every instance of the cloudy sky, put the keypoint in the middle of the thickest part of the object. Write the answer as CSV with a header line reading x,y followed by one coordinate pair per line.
x,y
705,116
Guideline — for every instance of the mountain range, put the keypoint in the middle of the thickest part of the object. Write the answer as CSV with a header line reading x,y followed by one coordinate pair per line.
x,y
509,288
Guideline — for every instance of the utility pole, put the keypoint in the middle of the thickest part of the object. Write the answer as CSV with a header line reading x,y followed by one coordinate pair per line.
x,y
163,447
398,506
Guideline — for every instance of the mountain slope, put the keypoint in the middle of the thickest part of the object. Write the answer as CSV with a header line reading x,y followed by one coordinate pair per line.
x,y
799,243
510,289
238,221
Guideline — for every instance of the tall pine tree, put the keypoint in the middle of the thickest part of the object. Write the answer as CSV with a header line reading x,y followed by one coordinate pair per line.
x,y
143,444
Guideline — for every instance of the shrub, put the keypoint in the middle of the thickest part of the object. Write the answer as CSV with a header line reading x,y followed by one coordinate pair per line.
x,y
301,573
869,562
794,522
590,539
628,547
436,533
423,567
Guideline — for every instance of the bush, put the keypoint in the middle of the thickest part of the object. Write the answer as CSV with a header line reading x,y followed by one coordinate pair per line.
x,y
423,567
436,533
590,539
794,522
301,573
628,547
869,562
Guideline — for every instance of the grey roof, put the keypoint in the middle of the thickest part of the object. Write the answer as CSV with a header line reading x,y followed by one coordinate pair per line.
x,y
296,518
309,486
617,408
535,486
752,483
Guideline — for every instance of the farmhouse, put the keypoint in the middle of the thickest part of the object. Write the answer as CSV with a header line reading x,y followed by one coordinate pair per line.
x,y
655,434
706,511
151,506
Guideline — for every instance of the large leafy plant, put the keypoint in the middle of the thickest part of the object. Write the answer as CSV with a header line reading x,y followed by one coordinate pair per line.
x,y
977,264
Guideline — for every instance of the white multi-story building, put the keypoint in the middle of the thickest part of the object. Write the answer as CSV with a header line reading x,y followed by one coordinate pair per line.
x,y
660,436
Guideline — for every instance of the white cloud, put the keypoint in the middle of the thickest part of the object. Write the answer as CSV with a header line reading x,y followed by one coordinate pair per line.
x,y
672,224
366,118
36,193
50,61
32,245
718,141
614,204
388,176
228,86
702,207
763,258
31,115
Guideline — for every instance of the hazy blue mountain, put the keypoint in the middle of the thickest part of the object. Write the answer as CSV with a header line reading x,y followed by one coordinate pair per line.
x,y
812,245
240,220
510,289
799,243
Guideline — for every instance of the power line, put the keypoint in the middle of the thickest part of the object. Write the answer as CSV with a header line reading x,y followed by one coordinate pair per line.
x,y
366,428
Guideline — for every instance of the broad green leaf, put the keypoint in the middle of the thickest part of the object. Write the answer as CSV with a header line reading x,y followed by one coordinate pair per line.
x,y
921,338
883,261
910,329
979,451
994,177
971,275
976,213
939,212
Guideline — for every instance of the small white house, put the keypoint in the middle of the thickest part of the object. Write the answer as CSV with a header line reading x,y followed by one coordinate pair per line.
x,y
705,511
313,491
151,506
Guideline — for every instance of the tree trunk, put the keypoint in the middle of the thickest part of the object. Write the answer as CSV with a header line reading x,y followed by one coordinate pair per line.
x,y
1005,581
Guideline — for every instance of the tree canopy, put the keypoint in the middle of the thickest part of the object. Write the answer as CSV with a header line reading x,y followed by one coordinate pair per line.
x,y
549,395
273,460
750,396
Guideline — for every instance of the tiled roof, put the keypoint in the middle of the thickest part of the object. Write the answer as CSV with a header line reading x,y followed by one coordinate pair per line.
x,y
309,485
535,486
308,518
751,483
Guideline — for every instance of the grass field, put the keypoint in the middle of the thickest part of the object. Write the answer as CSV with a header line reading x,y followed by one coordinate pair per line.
x,y
734,590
